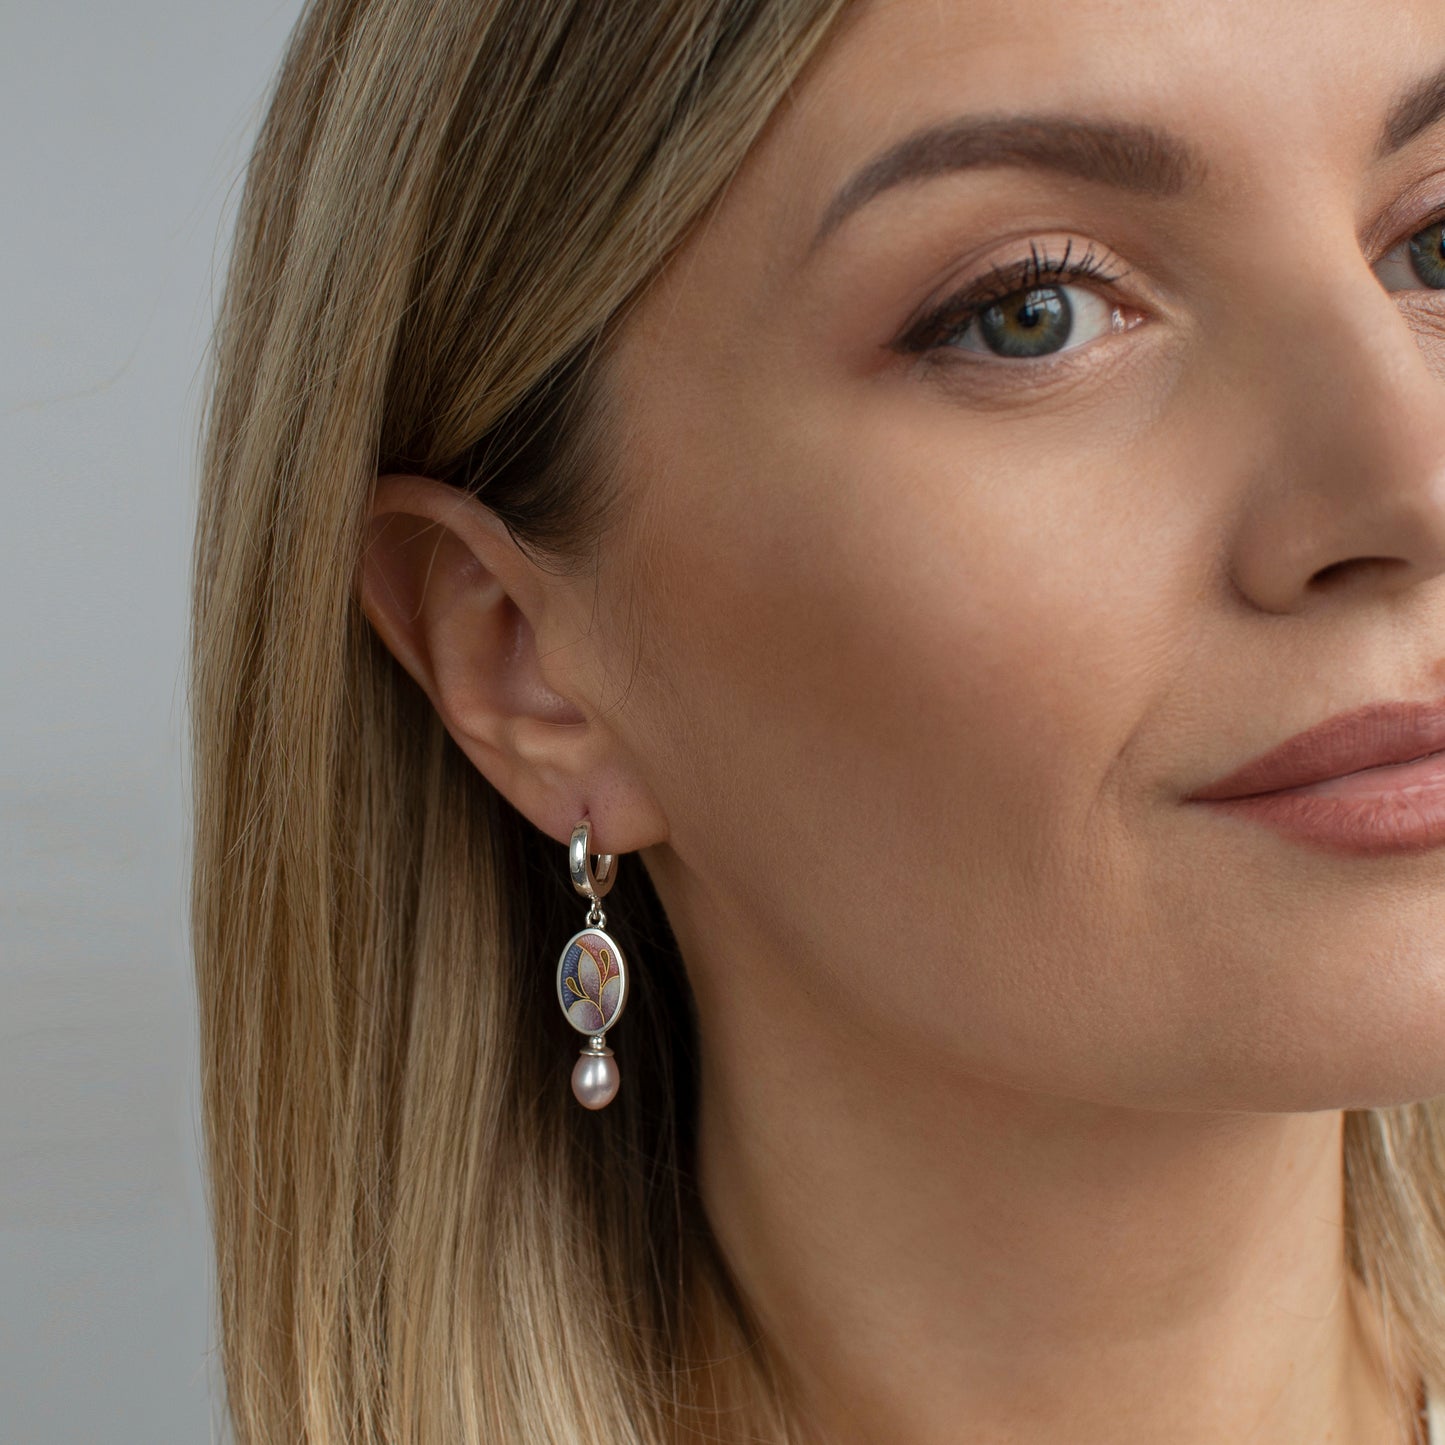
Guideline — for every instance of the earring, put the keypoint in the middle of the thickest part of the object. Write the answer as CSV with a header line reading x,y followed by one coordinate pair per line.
x,y
592,976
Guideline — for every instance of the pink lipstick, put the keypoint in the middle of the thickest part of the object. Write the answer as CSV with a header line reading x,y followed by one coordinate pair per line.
x,y
1368,781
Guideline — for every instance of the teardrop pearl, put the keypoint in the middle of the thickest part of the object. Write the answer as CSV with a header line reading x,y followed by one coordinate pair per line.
x,y
595,1079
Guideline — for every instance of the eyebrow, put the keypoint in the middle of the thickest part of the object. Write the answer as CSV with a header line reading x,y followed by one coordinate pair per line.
x,y
1128,155
1420,107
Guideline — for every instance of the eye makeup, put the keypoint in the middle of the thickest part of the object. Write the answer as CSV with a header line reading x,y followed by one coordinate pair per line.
x,y
1035,280
1022,305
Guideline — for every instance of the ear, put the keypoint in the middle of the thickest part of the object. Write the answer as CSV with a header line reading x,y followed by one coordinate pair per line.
x,y
503,650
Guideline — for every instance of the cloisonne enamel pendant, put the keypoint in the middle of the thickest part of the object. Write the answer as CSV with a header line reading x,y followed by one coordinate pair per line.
x,y
592,977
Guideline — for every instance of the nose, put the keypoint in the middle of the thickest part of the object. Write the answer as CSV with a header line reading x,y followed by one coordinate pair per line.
x,y
1346,491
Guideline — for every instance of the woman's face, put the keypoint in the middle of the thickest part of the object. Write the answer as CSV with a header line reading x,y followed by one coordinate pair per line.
x,y
941,619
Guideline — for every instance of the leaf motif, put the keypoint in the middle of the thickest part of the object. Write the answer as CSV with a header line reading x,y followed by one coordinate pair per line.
x,y
587,972
574,987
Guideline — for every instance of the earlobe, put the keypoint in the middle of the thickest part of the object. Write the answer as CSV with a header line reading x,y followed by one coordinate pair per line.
x,y
460,606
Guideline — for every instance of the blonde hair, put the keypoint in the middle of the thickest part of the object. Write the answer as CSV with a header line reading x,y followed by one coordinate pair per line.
x,y
420,1238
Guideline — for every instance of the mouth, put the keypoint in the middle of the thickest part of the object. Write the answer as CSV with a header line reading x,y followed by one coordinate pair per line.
x,y
1378,738
1368,782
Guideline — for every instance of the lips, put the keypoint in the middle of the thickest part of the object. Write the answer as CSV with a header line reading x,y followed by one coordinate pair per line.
x,y
1376,735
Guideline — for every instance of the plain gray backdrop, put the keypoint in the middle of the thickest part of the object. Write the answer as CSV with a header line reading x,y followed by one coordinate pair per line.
x,y
126,129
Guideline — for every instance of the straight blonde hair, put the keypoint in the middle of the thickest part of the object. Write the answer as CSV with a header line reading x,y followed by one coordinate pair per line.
x,y
420,1238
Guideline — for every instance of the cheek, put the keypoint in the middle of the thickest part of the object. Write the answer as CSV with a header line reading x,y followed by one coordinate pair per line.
x,y
905,672
960,631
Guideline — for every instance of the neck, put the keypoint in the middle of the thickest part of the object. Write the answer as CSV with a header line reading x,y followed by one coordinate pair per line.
x,y
936,1258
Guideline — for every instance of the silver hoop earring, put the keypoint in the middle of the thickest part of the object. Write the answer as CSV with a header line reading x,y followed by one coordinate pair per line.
x,y
592,976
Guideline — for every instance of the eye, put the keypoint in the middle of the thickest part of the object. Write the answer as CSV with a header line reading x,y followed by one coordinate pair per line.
x,y
1036,322
1024,311
1417,261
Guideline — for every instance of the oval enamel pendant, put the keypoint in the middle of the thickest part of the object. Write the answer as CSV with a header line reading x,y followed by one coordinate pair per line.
x,y
591,981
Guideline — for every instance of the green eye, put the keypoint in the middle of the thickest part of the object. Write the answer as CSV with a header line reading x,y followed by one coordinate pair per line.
x,y
1416,262
1029,323
1427,255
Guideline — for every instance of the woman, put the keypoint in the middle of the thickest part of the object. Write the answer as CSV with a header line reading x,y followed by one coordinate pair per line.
x,y
745,547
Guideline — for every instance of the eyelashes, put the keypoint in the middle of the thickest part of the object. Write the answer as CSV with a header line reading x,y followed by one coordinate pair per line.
x,y
1042,313
1031,309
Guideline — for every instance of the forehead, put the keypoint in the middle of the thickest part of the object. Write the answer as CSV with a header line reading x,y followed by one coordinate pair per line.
x,y
1254,82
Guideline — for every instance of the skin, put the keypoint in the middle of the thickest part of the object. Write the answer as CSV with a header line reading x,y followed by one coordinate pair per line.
x,y
1023,1078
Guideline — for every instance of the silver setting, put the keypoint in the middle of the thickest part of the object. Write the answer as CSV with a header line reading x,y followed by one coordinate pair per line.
x,y
591,884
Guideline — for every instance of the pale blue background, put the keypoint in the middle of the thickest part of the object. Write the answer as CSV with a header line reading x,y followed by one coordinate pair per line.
x,y
125,127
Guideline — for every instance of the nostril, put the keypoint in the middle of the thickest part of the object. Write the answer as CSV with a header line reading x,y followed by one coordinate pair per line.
x,y
1330,576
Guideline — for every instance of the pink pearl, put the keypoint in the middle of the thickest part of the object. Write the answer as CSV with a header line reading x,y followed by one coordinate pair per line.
x,y
595,1080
